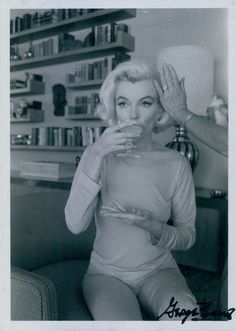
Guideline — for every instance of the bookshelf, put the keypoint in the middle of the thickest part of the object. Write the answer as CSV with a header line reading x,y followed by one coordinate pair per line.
x,y
78,149
73,24
82,117
90,84
124,43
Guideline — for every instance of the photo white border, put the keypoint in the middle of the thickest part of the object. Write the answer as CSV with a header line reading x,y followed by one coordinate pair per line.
x,y
5,322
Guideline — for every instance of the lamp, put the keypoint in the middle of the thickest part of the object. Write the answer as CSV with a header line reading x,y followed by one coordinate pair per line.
x,y
196,64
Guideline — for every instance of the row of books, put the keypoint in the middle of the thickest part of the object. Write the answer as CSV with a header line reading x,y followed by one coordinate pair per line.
x,y
96,70
100,35
61,136
107,33
85,104
29,21
89,71
44,48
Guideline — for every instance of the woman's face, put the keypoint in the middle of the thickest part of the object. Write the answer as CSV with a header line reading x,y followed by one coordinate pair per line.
x,y
137,101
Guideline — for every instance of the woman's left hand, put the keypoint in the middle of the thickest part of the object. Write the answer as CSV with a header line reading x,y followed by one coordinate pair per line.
x,y
138,217
172,93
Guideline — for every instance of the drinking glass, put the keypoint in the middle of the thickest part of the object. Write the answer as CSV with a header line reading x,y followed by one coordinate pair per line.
x,y
136,128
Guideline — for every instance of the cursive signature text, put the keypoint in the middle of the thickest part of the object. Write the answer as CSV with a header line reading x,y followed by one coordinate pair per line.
x,y
173,311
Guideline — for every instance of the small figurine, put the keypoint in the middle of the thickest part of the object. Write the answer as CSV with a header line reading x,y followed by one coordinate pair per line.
x,y
59,99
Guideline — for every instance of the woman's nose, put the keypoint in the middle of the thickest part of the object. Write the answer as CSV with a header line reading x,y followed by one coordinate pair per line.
x,y
134,113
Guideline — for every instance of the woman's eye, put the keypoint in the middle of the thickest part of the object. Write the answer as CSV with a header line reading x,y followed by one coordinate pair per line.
x,y
146,104
122,104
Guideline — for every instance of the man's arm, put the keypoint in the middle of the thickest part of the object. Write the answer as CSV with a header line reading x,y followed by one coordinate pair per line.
x,y
213,135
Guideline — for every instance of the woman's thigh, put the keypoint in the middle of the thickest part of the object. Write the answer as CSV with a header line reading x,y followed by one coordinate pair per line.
x,y
110,299
156,293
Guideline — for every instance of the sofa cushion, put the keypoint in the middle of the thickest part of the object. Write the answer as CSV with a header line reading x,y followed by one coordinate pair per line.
x,y
66,277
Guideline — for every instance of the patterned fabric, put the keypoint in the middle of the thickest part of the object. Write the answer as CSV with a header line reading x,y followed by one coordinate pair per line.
x,y
33,297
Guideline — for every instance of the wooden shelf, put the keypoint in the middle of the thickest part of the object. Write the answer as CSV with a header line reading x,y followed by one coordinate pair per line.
x,y
90,84
82,117
77,149
64,184
33,116
72,24
34,87
124,42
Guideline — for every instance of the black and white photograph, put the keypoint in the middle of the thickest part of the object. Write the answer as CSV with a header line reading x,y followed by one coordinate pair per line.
x,y
118,165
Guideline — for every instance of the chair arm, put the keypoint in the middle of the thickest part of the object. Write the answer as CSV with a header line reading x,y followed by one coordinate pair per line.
x,y
33,297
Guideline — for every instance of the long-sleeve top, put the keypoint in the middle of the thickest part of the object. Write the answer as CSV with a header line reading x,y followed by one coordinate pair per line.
x,y
159,181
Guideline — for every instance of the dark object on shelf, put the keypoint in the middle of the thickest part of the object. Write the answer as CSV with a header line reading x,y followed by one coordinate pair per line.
x,y
59,99
220,194
182,144
68,42
89,40
26,21
31,76
18,24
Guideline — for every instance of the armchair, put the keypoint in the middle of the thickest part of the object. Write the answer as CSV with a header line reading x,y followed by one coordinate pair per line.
x,y
48,261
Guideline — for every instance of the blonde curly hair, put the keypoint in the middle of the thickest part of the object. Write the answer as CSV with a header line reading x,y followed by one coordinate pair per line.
x,y
131,71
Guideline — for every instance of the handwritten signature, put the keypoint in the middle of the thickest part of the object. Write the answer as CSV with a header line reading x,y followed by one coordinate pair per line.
x,y
172,311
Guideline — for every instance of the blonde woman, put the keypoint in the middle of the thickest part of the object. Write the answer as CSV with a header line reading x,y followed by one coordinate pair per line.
x,y
133,186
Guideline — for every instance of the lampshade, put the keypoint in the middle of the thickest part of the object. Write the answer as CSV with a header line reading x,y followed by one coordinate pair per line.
x,y
196,64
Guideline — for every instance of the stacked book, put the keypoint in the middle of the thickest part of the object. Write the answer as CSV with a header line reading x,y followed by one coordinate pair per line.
x,y
44,48
86,104
107,33
29,21
91,71
60,136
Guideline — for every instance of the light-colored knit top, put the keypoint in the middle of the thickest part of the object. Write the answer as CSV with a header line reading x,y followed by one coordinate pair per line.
x,y
159,181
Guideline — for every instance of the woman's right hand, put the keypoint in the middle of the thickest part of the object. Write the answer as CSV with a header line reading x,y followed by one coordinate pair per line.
x,y
110,141
113,140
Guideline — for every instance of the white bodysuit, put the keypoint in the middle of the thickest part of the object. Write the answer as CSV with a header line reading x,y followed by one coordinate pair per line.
x,y
159,181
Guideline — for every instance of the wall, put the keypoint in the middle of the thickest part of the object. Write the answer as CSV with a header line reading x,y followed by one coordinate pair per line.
x,y
154,30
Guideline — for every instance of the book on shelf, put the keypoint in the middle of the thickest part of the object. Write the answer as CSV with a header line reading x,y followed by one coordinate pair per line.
x,y
56,136
44,169
44,48
60,136
85,104
107,33
90,71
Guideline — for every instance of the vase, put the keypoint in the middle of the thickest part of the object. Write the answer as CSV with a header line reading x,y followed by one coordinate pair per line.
x,y
184,146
